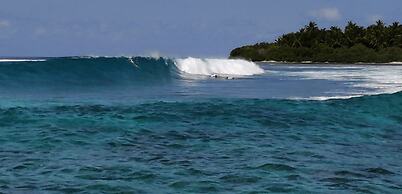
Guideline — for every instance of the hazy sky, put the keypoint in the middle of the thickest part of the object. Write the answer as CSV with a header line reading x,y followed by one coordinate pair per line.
x,y
205,28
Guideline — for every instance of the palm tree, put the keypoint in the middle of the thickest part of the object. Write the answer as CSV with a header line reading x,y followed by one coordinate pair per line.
x,y
334,37
376,35
398,37
310,35
289,40
393,35
353,34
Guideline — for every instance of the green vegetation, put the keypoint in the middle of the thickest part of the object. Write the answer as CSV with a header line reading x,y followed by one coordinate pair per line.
x,y
377,43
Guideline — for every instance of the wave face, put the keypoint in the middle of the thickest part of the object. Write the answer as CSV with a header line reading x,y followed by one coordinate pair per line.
x,y
218,66
103,71
219,146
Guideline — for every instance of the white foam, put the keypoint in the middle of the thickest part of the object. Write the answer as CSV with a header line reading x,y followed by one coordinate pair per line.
x,y
382,79
218,66
323,98
396,63
271,61
20,60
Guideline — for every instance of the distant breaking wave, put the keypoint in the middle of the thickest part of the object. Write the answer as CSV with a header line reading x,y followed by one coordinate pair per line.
x,y
20,60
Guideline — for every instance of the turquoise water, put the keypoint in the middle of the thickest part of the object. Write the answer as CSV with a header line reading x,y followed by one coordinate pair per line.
x,y
104,126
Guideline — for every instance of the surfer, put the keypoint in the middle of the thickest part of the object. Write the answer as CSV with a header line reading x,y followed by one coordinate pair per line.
x,y
221,77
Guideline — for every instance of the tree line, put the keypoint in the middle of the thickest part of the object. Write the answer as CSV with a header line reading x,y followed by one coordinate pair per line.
x,y
378,43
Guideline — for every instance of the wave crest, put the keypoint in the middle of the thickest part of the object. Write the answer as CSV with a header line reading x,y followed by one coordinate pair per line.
x,y
218,66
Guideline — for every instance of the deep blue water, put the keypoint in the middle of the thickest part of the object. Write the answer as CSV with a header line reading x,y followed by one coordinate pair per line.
x,y
102,125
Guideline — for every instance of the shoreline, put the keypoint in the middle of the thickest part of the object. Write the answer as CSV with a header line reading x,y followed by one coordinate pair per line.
x,y
394,63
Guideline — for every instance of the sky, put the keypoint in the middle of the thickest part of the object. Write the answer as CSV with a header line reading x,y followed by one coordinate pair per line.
x,y
177,28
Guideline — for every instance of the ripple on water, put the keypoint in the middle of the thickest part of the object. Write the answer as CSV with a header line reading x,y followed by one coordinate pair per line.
x,y
379,171
276,167
240,179
265,146
345,173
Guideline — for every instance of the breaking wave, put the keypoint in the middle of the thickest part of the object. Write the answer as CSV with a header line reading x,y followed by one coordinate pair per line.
x,y
218,66
89,71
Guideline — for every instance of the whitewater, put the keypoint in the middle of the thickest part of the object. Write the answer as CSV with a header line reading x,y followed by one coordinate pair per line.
x,y
180,125
218,66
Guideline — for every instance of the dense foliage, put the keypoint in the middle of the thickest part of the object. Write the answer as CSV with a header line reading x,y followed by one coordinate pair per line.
x,y
377,43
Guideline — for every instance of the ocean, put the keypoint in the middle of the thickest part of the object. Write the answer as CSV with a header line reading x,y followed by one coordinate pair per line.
x,y
165,125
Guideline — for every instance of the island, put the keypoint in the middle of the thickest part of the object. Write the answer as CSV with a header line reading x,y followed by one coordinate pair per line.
x,y
377,43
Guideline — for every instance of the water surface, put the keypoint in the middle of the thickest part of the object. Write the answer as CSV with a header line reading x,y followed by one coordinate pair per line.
x,y
141,125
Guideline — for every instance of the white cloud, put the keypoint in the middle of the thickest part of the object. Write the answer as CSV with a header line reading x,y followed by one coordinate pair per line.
x,y
329,14
4,23
374,18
